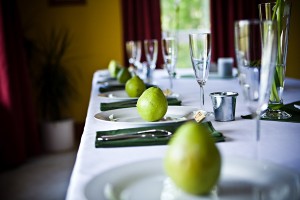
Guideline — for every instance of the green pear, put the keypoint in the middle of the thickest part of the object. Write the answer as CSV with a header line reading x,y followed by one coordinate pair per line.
x,y
152,105
113,68
135,86
123,75
192,160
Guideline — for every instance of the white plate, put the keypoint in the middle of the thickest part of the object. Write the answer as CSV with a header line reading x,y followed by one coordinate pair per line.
x,y
240,180
130,116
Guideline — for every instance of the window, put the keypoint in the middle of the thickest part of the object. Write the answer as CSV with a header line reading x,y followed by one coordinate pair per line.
x,y
184,16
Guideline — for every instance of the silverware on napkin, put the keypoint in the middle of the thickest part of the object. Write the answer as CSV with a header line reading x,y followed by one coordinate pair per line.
x,y
152,133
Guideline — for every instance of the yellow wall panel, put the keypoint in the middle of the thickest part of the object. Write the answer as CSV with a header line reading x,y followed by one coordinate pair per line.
x,y
96,33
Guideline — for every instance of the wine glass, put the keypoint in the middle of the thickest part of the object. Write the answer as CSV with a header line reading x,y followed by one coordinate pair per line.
x,y
200,51
256,50
133,49
150,47
169,50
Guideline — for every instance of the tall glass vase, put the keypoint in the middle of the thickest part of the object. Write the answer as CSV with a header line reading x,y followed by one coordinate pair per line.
x,y
280,12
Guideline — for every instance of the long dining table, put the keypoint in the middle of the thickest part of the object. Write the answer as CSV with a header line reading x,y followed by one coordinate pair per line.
x,y
279,141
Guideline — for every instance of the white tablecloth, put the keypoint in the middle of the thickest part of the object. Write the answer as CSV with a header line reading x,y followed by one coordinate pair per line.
x,y
280,141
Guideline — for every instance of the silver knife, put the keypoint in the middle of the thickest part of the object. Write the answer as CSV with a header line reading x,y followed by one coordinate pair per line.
x,y
152,133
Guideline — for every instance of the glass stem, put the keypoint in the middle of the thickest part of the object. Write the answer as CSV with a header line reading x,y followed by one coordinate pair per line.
x,y
171,82
201,97
257,136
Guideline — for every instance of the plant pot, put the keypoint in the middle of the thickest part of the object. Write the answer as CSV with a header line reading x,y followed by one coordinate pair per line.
x,y
58,135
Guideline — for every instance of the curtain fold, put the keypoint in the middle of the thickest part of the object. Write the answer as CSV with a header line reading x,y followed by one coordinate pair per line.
x,y
19,137
141,20
223,14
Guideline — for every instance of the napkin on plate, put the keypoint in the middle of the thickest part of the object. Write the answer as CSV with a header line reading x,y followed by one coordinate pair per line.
x,y
132,103
289,108
218,137
114,87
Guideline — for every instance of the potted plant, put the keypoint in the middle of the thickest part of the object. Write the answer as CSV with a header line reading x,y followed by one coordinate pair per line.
x,y
53,88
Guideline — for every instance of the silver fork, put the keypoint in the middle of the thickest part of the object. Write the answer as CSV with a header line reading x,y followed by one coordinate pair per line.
x,y
152,133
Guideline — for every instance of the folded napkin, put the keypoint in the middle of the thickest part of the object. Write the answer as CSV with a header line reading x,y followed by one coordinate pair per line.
x,y
289,108
132,103
217,136
114,87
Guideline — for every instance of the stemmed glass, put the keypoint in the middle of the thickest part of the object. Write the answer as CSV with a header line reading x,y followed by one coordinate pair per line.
x,y
151,52
169,50
150,47
200,50
133,50
256,49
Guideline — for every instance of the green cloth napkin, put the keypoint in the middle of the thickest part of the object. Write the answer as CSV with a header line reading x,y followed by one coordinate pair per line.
x,y
132,103
218,137
289,108
114,87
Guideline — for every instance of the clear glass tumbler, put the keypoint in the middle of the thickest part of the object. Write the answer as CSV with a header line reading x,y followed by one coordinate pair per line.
x,y
281,14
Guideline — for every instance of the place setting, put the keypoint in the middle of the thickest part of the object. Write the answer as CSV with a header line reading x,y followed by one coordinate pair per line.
x,y
127,96
149,117
153,118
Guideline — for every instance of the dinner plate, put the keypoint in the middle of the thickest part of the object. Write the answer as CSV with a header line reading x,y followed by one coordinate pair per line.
x,y
240,179
130,116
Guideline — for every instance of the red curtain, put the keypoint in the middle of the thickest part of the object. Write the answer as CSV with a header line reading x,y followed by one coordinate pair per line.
x,y
141,20
18,131
223,14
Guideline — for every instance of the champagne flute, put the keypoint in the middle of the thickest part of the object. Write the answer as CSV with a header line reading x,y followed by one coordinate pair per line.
x,y
133,50
151,52
200,51
169,50
256,50
150,47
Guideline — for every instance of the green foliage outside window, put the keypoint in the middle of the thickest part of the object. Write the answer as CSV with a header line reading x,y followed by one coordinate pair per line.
x,y
184,16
